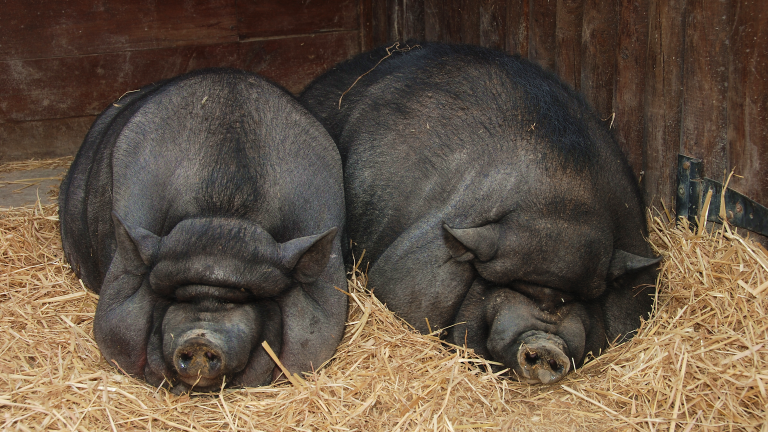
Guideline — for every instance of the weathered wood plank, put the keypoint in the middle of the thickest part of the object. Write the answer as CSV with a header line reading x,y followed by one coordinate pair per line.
x,y
469,21
543,28
451,21
395,19
518,16
598,54
294,62
42,139
433,20
631,59
405,20
32,29
260,19
365,23
569,23
493,23
413,20
663,99
704,121
748,99
80,86
381,24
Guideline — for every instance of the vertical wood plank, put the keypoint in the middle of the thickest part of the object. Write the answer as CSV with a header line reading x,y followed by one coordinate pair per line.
x,y
268,19
568,36
452,11
365,23
542,42
748,98
493,23
518,16
663,99
631,59
413,19
380,23
395,18
433,20
443,20
598,54
469,21
704,121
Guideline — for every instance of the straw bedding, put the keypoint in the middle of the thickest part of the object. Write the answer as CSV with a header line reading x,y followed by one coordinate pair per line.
x,y
699,363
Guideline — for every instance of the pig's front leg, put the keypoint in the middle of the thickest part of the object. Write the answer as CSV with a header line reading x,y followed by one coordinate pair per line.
x,y
417,277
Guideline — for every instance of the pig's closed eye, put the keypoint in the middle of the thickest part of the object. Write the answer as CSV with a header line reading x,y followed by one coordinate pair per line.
x,y
547,298
193,293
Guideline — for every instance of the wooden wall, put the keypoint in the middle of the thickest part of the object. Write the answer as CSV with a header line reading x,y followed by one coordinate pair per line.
x,y
63,61
675,76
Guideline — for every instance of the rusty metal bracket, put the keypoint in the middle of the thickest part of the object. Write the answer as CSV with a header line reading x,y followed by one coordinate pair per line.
x,y
692,188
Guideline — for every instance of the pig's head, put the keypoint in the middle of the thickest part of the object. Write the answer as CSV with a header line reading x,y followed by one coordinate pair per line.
x,y
192,308
546,292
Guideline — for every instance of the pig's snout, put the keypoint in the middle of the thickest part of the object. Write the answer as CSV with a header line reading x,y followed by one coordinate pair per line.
x,y
199,359
541,358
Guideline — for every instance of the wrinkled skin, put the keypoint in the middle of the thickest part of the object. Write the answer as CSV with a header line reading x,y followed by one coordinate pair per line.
x,y
206,212
489,198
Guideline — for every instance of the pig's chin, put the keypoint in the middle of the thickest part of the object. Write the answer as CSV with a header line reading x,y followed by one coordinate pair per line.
x,y
202,385
178,385
157,373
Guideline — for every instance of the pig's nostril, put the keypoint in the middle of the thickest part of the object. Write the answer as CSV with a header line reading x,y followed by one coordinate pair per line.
x,y
211,357
191,361
531,357
185,357
554,365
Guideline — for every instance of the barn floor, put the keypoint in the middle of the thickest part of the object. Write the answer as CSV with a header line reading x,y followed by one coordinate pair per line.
x,y
699,363
24,188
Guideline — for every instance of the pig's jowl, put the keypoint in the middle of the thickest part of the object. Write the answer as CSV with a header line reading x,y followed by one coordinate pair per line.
x,y
490,200
207,212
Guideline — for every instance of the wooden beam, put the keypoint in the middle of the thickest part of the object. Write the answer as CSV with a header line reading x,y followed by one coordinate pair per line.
x,y
748,98
663,99
42,139
81,86
542,45
568,29
271,19
37,29
631,59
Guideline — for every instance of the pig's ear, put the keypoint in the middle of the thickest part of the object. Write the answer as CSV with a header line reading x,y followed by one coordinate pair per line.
x,y
464,244
307,257
625,262
136,243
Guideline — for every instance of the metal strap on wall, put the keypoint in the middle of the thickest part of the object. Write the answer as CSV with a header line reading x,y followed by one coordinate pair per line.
x,y
692,189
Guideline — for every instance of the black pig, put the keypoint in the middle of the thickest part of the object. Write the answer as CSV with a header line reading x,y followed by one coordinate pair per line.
x,y
490,200
205,211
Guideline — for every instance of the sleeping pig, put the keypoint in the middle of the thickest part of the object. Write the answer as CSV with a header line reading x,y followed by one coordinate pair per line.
x,y
207,211
491,201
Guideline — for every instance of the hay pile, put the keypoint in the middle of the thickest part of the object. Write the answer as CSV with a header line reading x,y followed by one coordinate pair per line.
x,y
61,162
701,363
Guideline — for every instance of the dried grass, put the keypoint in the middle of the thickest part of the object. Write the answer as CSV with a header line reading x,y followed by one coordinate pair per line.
x,y
61,162
699,364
